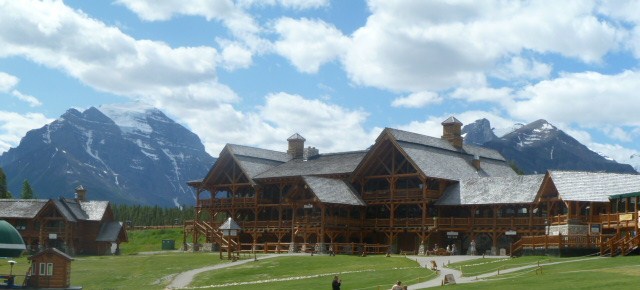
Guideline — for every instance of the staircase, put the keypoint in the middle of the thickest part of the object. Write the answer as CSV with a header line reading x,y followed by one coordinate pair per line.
x,y
629,244
214,235
611,247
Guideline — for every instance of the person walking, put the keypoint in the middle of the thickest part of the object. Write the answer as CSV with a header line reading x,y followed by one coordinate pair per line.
x,y
397,286
335,285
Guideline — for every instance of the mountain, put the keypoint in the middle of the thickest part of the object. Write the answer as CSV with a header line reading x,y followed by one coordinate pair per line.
x,y
129,154
539,146
478,132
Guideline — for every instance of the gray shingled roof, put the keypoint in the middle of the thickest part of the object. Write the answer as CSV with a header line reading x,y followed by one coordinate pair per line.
x,y
429,141
336,191
94,209
254,161
109,232
493,190
239,150
323,164
593,186
21,208
446,164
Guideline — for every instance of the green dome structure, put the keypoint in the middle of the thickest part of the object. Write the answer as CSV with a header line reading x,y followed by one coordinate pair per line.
x,y
11,243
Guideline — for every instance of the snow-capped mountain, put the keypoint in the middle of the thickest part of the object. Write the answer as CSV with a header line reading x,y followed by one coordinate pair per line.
x,y
634,160
123,153
539,146
478,132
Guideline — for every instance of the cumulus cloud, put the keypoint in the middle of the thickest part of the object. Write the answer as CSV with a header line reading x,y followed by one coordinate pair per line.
x,y
521,68
417,100
14,126
106,59
588,98
293,4
485,94
7,82
437,45
327,126
31,100
309,43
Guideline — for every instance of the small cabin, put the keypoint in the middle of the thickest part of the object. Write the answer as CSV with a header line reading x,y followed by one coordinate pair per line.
x,y
50,268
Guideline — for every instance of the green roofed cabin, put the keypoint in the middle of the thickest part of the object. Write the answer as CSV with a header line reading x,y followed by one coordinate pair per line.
x,y
11,243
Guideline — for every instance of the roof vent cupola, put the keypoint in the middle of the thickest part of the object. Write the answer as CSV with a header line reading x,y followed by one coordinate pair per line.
x,y
296,146
452,131
81,193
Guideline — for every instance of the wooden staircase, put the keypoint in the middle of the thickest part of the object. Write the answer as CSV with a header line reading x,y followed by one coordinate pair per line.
x,y
214,235
620,245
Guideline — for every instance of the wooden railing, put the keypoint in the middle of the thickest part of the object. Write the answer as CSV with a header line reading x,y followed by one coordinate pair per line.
x,y
558,242
629,244
619,220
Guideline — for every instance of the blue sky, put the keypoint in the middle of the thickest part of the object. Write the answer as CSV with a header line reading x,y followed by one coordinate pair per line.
x,y
337,72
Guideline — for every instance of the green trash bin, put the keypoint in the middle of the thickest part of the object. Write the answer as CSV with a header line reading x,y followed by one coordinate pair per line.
x,y
168,244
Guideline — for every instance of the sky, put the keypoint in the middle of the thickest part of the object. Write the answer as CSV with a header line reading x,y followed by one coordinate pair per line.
x,y
255,72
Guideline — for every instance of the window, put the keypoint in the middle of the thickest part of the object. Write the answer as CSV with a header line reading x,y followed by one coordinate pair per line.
x,y
34,268
42,271
49,269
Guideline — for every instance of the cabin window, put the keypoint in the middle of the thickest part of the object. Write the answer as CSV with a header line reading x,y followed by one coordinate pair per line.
x,y
21,225
43,269
34,269
49,269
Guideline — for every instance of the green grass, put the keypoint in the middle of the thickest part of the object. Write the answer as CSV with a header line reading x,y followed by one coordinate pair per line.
x,y
487,265
150,240
600,273
307,272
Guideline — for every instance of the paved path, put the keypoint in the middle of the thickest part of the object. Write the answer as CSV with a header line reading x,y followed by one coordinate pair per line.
x,y
426,261
184,279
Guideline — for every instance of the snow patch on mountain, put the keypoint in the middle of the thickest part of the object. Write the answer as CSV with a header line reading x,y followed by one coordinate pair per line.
x,y
131,118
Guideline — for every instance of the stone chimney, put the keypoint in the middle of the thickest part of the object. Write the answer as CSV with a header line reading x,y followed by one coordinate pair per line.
x,y
81,193
476,162
452,131
296,146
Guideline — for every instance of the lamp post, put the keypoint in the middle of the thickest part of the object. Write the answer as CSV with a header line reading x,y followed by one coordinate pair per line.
x,y
230,230
11,262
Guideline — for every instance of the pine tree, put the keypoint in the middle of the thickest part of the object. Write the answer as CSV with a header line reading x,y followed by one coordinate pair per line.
x,y
4,191
27,192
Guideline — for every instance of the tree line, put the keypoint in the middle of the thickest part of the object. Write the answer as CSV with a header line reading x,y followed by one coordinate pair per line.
x,y
144,215
27,191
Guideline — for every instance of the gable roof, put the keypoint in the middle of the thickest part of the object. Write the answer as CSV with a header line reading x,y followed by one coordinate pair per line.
x,y
331,190
21,208
592,186
110,232
323,164
493,190
52,251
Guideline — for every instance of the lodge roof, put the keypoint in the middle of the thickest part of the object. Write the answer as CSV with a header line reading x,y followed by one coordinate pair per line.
x,y
71,209
593,186
428,141
21,208
493,190
109,232
254,161
322,164
331,190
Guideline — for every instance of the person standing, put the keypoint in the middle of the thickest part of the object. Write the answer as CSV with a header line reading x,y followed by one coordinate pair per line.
x,y
335,285
397,286
472,247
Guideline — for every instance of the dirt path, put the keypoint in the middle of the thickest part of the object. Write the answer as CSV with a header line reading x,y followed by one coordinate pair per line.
x,y
183,279
426,261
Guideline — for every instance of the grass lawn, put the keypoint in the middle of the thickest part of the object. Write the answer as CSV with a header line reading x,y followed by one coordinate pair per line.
x,y
487,265
307,272
150,240
600,273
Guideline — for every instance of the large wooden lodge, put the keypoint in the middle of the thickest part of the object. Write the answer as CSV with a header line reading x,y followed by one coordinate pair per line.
x,y
410,193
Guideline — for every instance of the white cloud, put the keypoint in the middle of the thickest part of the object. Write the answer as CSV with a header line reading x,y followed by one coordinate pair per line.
x,y
240,23
500,95
326,126
7,82
309,43
417,100
14,126
436,45
521,68
588,98
293,4
235,55
106,59
33,101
